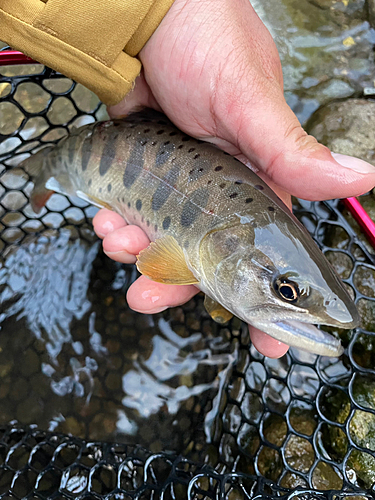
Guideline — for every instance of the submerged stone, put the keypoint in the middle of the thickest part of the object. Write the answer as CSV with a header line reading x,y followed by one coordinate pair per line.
x,y
346,127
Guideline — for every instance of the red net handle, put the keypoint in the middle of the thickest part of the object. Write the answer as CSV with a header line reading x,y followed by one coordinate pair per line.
x,y
10,57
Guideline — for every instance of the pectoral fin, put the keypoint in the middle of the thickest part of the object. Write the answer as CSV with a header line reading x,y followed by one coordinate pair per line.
x,y
164,261
217,312
93,200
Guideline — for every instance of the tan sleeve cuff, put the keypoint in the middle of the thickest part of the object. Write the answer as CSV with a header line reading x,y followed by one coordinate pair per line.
x,y
93,45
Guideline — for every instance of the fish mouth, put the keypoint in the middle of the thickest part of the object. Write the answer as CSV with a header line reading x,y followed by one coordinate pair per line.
x,y
304,336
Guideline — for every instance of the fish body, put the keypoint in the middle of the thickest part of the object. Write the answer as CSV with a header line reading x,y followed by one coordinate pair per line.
x,y
213,222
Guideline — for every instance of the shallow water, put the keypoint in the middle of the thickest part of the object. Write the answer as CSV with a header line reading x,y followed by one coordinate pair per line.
x,y
82,362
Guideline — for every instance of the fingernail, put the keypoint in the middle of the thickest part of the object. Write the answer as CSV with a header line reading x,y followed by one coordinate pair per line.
x,y
355,164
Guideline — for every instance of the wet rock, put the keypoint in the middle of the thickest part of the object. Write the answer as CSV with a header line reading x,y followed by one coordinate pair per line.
x,y
324,46
360,468
275,430
366,310
341,262
346,127
299,454
325,477
364,350
293,480
270,463
360,465
371,12
303,420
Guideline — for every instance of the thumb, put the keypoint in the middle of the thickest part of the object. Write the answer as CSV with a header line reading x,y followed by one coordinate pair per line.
x,y
271,137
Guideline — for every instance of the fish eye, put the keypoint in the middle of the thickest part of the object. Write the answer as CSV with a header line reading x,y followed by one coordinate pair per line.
x,y
287,290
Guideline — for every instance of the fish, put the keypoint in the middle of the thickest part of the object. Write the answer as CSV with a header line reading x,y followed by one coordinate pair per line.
x,y
211,220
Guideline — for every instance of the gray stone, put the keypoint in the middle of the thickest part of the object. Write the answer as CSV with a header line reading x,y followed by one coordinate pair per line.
x,y
325,48
371,12
346,127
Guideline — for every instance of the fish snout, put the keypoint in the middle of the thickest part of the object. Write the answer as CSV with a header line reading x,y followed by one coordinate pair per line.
x,y
341,312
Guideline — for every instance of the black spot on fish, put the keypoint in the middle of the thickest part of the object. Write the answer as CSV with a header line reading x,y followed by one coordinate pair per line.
x,y
186,244
173,133
209,182
129,204
259,187
194,206
148,223
166,223
159,132
233,195
217,169
156,227
134,165
108,155
271,209
249,200
146,130
180,146
72,148
86,152
238,182
186,138
222,185
109,187
100,190
89,183
196,156
138,204
199,169
164,153
143,142
153,143
191,150
165,188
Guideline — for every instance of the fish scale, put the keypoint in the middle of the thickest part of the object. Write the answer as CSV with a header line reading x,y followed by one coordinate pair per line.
x,y
214,222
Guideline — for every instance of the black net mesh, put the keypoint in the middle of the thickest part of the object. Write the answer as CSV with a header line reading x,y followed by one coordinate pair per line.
x,y
301,425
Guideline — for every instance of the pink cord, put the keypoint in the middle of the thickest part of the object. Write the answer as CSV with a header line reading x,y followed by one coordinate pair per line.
x,y
361,216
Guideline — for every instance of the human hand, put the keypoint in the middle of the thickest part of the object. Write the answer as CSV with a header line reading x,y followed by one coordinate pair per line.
x,y
214,70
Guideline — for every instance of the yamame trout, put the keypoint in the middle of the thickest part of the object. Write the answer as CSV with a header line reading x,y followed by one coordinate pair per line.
x,y
213,222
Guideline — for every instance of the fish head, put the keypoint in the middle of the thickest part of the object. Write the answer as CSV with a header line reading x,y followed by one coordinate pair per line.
x,y
275,278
